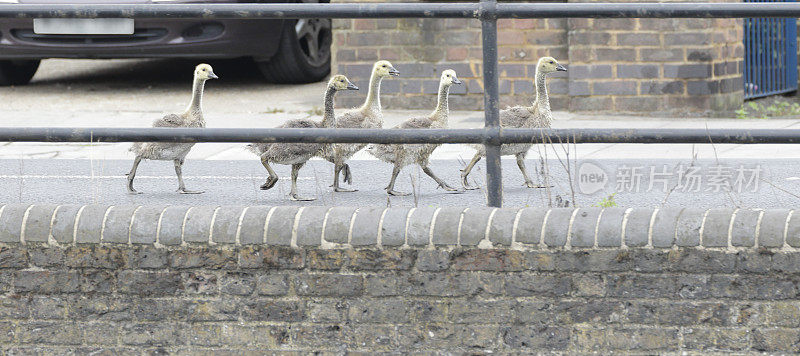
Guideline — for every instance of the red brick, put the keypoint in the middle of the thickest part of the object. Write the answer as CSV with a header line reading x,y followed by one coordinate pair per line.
x,y
390,54
488,260
510,38
364,24
614,24
695,24
581,54
638,104
657,24
580,24
660,54
456,24
526,24
339,39
616,54
386,24
505,23
554,24
457,54
342,24
537,38
514,54
367,54
591,103
589,38
345,55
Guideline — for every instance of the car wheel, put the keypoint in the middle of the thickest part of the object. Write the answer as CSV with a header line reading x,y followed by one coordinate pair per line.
x,y
17,72
304,55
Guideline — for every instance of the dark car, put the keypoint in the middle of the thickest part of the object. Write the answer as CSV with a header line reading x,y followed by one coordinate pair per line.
x,y
286,51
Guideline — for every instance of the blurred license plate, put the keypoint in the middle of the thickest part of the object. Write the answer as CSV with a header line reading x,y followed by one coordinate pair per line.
x,y
83,26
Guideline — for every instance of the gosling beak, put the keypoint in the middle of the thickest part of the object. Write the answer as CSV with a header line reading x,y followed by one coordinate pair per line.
x,y
456,81
351,86
560,68
212,76
394,72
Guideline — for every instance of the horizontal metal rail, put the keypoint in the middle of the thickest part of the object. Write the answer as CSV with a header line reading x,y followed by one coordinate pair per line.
x,y
402,10
476,136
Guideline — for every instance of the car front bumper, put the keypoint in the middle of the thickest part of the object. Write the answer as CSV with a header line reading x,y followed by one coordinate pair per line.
x,y
152,38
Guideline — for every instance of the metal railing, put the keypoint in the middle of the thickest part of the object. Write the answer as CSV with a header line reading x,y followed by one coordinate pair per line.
x,y
488,11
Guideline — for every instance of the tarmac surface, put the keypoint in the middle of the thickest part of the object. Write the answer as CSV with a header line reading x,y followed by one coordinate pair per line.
x,y
696,184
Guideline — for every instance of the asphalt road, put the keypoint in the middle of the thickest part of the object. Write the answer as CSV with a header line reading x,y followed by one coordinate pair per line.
x,y
763,184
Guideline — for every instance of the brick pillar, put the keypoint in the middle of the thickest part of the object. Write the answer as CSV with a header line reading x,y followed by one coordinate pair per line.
x,y
656,66
421,48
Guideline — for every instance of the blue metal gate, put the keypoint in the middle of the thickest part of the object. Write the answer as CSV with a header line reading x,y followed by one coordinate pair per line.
x,y
770,55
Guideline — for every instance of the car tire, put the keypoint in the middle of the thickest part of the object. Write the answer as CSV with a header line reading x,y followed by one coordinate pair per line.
x,y
304,54
17,72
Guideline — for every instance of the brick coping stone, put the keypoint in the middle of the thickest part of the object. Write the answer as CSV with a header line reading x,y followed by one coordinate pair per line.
x,y
341,227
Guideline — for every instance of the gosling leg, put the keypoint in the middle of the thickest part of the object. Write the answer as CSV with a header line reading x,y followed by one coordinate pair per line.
x,y
521,164
348,177
273,177
465,172
179,173
390,188
338,169
438,180
293,195
132,175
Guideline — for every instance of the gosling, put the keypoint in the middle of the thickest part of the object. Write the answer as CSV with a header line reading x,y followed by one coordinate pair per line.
x,y
297,154
404,155
175,152
537,115
368,116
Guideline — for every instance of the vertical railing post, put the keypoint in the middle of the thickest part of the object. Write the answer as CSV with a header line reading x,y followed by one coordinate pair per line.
x,y
791,53
494,174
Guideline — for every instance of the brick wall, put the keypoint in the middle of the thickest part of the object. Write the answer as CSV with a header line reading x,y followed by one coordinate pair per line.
x,y
421,48
669,66
638,66
209,280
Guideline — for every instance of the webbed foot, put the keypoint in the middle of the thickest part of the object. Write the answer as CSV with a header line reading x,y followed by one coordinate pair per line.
x,y
344,190
296,197
134,192
269,183
448,188
397,194
186,191
467,186
530,184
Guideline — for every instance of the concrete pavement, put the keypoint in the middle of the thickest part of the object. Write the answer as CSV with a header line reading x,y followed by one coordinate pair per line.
x,y
704,183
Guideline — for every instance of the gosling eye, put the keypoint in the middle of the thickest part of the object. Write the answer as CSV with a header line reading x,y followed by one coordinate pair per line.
x,y
551,62
384,66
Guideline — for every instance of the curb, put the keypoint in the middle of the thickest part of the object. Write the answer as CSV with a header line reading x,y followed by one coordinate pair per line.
x,y
345,227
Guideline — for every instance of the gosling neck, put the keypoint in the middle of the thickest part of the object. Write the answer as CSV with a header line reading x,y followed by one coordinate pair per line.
x,y
542,99
196,106
328,116
442,110
373,102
